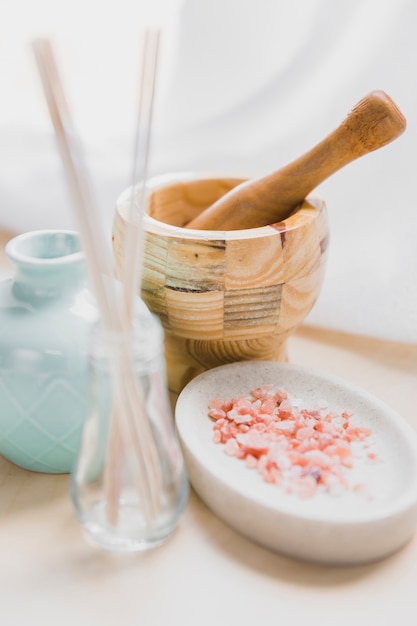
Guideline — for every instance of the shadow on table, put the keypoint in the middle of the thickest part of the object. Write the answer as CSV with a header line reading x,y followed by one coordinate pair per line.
x,y
273,565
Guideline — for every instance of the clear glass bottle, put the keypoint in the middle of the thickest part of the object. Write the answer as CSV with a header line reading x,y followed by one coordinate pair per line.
x,y
129,485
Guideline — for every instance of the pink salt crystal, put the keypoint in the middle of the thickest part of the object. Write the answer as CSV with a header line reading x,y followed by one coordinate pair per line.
x,y
217,436
358,432
240,418
216,403
232,447
286,405
243,405
265,417
216,414
282,461
296,448
251,461
287,426
305,432
268,406
280,395
317,458
261,392
253,441
306,487
341,449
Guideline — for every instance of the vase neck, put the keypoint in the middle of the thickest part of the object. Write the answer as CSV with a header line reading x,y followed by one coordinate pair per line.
x,y
49,264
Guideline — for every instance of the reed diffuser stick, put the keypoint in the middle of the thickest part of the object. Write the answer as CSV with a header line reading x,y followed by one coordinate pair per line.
x,y
134,236
97,258
125,397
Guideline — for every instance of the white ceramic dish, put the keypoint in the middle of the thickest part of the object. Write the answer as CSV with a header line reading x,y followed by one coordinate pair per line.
x,y
344,529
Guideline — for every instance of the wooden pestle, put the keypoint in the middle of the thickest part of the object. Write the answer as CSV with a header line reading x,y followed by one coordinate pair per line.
x,y
375,121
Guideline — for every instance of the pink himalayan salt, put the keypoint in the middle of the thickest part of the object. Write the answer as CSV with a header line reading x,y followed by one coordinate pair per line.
x,y
301,450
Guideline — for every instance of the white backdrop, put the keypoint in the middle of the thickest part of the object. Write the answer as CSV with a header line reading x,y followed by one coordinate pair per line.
x,y
245,86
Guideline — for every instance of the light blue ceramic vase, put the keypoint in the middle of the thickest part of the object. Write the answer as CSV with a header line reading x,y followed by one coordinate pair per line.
x,y
46,313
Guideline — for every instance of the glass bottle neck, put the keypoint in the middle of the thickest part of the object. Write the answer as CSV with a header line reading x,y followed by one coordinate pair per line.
x,y
49,264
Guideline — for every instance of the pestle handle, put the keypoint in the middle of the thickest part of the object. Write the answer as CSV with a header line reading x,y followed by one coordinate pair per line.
x,y
373,122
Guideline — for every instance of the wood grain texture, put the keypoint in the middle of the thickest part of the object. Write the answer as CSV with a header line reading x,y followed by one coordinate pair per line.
x,y
179,204
374,122
225,296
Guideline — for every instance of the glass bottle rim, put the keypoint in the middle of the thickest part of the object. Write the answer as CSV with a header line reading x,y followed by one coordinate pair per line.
x,y
50,247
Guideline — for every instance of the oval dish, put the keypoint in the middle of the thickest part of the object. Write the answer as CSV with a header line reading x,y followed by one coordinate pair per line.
x,y
344,529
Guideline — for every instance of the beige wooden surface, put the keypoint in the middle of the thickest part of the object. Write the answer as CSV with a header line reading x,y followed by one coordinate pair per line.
x,y
206,573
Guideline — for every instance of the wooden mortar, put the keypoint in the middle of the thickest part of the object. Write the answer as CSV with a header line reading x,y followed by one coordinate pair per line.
x,y
224,296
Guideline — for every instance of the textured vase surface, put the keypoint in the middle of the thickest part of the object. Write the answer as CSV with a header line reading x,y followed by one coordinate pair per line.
x,y
46,314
